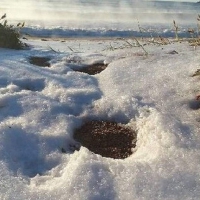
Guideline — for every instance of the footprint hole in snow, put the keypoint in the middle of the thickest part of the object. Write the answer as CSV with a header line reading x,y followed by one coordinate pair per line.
x,y
107,138
92,69
40,61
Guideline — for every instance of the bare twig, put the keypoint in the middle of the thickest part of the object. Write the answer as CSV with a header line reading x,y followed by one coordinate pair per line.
x,y
140,45
53,49
176,30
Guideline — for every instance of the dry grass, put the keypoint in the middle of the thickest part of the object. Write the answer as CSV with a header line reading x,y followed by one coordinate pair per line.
x,y
10,35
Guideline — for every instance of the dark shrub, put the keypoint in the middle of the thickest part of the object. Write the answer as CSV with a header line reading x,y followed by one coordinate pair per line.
x,y
10,35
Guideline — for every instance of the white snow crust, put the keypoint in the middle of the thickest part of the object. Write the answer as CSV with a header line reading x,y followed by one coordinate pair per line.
x,y
41,107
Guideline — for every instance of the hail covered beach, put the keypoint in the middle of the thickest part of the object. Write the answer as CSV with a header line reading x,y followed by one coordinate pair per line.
x,y
103,102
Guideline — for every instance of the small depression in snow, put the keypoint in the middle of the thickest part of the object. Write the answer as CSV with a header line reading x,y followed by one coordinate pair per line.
x,y
40,61
109,139
92,69
86,65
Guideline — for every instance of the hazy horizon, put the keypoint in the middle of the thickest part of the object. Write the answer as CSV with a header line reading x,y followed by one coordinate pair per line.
x,y
88,13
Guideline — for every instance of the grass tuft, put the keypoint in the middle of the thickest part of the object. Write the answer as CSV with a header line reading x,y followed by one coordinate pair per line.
x,y
10,34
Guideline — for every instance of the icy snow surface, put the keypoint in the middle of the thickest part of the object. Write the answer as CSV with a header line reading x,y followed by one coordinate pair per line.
x,y
40,108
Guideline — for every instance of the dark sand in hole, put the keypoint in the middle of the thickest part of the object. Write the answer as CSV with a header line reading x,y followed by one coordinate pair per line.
x,y
92,69
39,61
108,139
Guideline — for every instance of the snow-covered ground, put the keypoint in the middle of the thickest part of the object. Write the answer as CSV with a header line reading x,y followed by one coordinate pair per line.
x,y
41,107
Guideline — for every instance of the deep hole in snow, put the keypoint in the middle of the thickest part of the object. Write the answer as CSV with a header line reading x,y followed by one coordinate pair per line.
x,y
108,139
92,69
39,61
